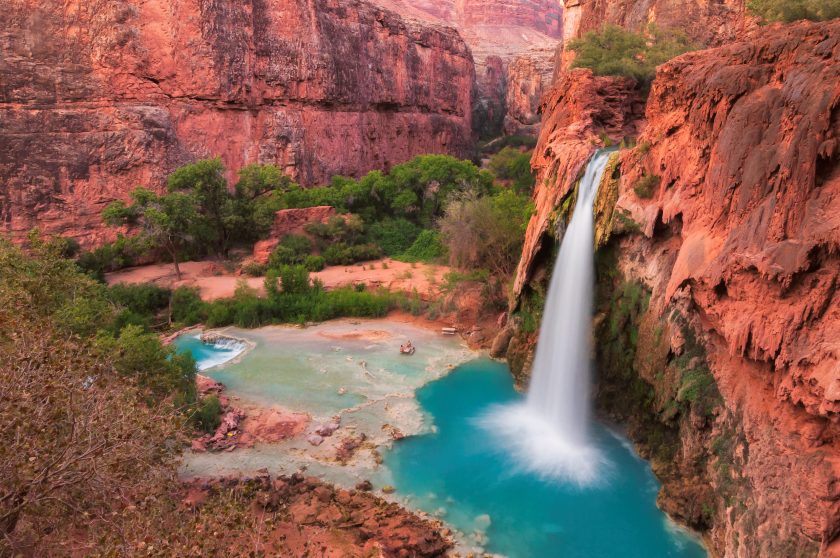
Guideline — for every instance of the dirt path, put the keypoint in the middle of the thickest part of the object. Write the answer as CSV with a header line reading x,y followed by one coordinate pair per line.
x,y
214,281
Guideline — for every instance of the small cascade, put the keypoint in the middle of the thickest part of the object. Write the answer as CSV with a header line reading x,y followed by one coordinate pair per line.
x,y
549,433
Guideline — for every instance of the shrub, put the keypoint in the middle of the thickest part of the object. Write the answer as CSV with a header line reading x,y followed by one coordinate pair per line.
x,y
186,306
207,415
294,279
793,10
342,254
314,263
291,250
616,51
143,299
393,236
486,232
254,269
427,248
514,165
113,256
159,368
646,186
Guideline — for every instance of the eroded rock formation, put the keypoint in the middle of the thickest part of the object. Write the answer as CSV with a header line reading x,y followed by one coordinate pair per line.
x,y
97,97
718,310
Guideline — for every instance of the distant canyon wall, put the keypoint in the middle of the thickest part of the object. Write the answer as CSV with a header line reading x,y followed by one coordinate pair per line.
x,y
513,42
99,96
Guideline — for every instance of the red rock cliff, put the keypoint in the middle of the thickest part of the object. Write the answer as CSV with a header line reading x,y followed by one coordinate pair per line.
x,y
513,43
99,96
727,215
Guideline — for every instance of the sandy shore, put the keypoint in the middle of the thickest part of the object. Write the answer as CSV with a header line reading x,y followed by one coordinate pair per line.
x,y
214,281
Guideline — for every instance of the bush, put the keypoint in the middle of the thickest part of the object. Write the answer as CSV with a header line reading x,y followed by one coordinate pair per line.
x,y
486,233
145,299
793,10
113,256
342,254
314,263
646,186
186,306
393,236
207,416
427,248
616,51
158,368
294,279
254,269
514,165
291,250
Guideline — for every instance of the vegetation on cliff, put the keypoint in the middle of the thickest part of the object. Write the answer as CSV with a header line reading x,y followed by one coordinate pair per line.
x,y
794,10
615,51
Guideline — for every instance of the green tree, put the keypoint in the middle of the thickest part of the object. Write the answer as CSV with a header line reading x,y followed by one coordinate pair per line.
x,y
258,196
168,221
204,182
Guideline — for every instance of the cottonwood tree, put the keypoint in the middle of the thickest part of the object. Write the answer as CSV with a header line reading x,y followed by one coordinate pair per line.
x,y
171,221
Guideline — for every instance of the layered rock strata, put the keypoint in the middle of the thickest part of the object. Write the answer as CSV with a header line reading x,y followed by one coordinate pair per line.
x,y
99,97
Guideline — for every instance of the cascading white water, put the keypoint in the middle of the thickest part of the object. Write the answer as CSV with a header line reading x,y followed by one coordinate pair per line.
x,y
549,432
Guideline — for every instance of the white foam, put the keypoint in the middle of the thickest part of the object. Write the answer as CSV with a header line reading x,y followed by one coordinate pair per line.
x,y
538,447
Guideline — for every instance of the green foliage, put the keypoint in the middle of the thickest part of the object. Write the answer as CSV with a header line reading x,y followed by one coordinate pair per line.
x,y
646,186
186,306
489,148
794,10
170,221
616,51
204,182
530,311
347,230
144,298
486,232
207,415
291,250
342,254
254,269
427,247
294,279
112,256
416,190
514,165
140,355
314,263
393,236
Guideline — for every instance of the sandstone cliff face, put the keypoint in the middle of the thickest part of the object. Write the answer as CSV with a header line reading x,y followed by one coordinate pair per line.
x,y
98,97
706,22
717,332
513,43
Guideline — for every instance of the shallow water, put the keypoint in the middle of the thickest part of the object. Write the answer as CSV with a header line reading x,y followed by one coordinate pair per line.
x,y
454,467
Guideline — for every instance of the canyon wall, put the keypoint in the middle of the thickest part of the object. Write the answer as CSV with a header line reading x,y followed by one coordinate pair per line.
x,y
706,22
718,264
513,43
97,97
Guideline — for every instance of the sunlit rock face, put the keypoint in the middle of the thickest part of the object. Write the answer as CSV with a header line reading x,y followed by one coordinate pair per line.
x,y
736,242
513,43
98,97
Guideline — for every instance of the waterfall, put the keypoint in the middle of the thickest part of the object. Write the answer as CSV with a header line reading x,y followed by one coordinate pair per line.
x,y
549,433
561,378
